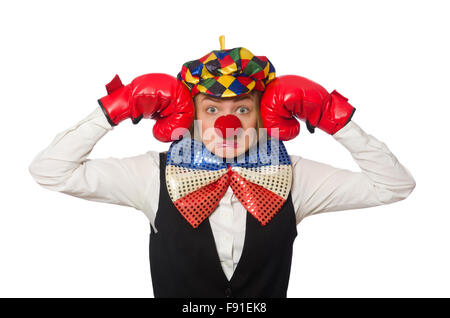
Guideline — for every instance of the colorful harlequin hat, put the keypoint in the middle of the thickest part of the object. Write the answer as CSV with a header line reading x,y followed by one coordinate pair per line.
x,y
227,73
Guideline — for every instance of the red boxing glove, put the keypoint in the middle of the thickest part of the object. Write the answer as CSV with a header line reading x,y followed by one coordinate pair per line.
x,y
290,96
158,96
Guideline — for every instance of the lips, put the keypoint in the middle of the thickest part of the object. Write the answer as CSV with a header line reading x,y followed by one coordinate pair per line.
x,y
228,144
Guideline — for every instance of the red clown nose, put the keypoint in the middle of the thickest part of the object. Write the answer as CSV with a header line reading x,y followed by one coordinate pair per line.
x,y
228,126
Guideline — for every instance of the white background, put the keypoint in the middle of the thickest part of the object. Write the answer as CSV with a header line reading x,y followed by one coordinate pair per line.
x,y
390,58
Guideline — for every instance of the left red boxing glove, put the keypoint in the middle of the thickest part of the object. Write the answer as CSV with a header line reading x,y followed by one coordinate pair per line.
x,y
158,96
290,96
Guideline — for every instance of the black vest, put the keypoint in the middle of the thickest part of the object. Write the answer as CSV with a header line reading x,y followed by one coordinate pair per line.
x,y
184,261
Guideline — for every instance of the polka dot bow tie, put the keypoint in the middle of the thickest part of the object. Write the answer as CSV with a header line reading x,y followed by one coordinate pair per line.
x,y
197,180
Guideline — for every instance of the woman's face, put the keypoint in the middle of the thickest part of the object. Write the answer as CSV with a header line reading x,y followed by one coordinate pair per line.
x,y
208,109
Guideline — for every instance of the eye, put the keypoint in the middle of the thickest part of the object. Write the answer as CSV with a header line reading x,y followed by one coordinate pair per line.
x,y
211,110
242,110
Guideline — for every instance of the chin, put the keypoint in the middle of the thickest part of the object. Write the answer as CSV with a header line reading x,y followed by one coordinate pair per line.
x,y
240,148
226,152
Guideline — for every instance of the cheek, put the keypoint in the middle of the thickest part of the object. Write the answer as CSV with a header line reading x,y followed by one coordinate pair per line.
x,y
249,122
205,122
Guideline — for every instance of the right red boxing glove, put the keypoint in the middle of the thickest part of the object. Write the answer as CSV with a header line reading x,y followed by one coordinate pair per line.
x,y
158,96
291,96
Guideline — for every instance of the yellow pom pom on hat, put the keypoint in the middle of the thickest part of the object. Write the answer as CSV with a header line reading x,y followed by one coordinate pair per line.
x,y
227,73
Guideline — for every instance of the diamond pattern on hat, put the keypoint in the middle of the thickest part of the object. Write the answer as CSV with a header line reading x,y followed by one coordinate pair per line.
x,y
238,88
226,80
216,88
252,68
244,80
195,68
221,54
211,56
205,74
213,67
227,65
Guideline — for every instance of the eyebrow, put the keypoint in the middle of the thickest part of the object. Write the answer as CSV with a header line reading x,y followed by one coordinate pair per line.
x,y
237,98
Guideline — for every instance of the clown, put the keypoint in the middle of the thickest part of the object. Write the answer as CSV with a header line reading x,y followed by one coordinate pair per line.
x,y
225,200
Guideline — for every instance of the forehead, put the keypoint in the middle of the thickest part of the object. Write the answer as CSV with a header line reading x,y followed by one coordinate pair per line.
x,y
204,97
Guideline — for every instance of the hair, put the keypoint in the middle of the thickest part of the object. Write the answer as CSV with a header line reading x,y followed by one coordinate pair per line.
x,y
256,95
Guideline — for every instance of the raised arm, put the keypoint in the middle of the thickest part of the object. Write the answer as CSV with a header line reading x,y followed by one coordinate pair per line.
x,y
319,187
63,166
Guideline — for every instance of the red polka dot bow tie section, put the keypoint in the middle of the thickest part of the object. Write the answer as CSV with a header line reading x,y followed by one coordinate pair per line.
x,y
197,180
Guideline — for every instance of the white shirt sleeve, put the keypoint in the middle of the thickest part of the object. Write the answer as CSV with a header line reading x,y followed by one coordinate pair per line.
x,y
63,166
318,187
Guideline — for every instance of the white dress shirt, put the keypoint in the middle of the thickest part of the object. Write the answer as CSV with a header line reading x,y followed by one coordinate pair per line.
x,y
134,181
